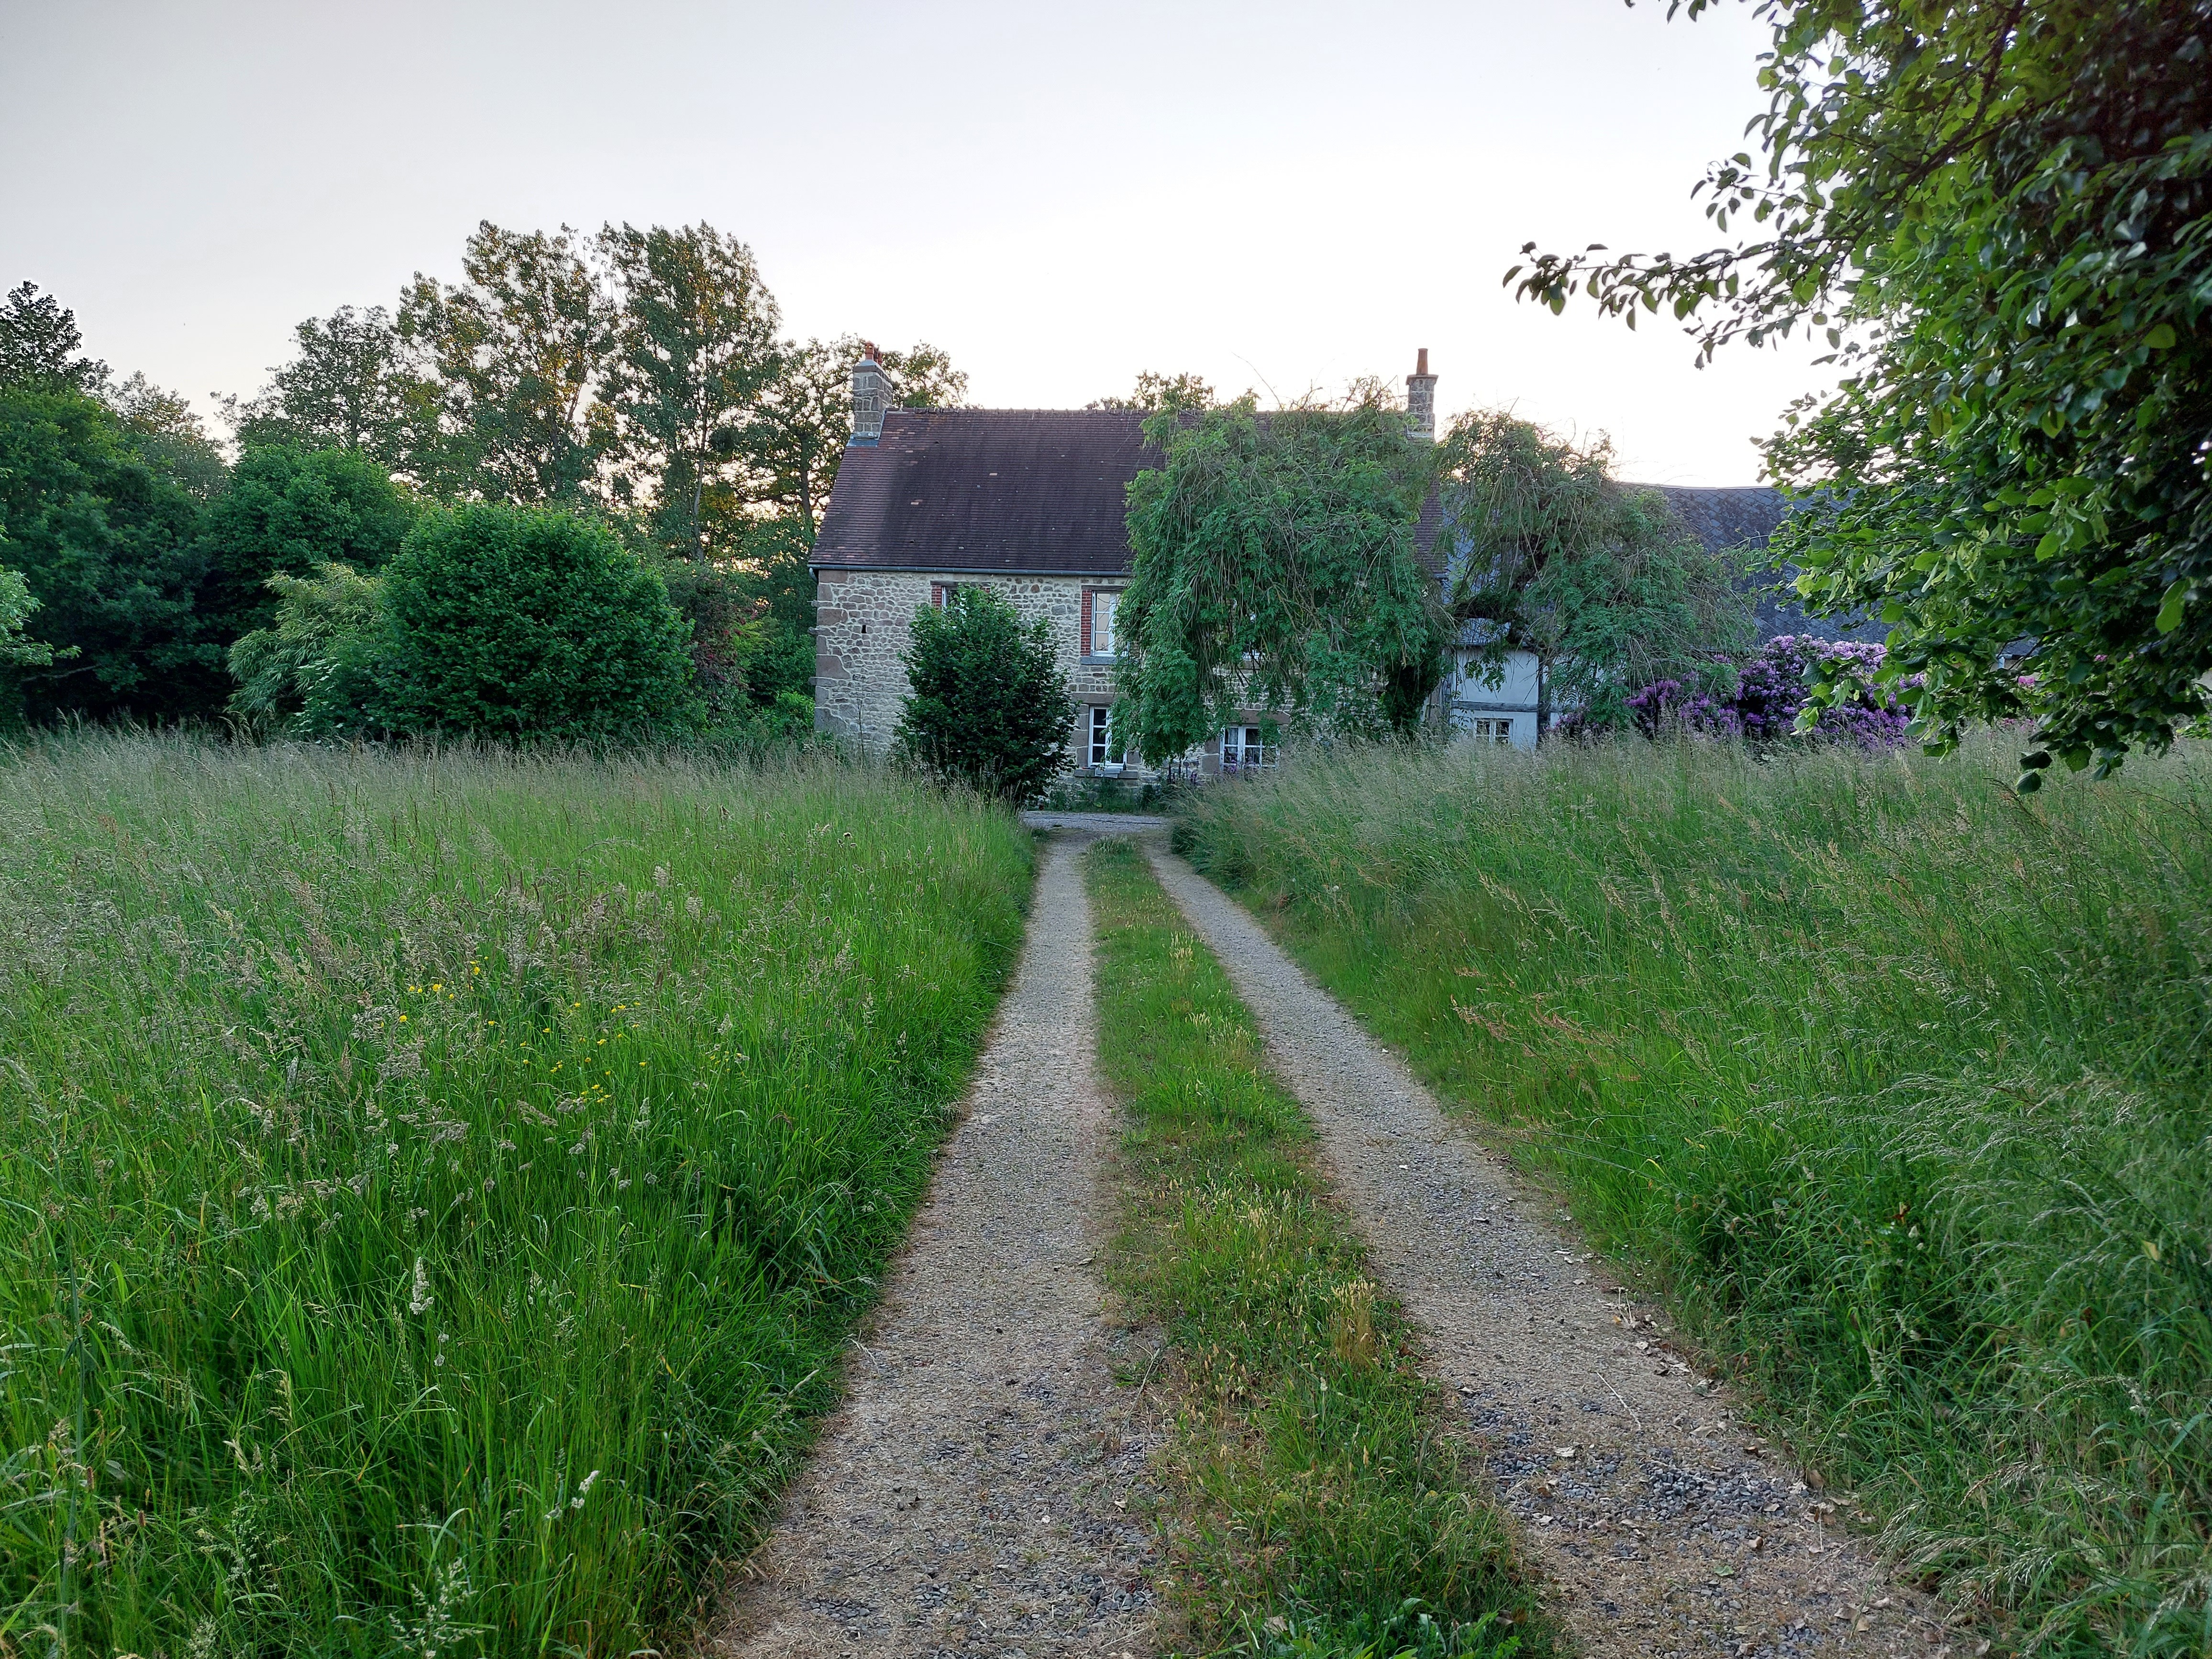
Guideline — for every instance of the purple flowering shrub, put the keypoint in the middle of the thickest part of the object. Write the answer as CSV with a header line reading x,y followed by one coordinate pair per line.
x,y
1771,690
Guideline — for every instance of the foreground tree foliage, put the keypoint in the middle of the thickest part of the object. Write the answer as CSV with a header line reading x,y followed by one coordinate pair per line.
x,y
311,670
990,708
1602,582
1275,568
39,345
2001,216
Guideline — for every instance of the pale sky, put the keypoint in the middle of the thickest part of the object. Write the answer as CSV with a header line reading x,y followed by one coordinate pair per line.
x,y
1277,196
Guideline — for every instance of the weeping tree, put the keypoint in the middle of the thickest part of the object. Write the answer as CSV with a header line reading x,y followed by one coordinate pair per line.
x,y
1275,568
1601,582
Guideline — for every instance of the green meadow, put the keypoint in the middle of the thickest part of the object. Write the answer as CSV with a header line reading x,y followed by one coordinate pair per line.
x,y
433,1186
1897,1085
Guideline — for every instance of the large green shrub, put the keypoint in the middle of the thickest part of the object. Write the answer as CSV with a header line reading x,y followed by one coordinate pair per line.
x,y
989,708
528,622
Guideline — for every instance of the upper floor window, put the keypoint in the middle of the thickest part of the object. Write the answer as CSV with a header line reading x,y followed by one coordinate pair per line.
x,y
940,593
1098,608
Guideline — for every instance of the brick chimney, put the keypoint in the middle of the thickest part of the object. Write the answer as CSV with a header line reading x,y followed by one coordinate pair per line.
x,y
872,395
1420,399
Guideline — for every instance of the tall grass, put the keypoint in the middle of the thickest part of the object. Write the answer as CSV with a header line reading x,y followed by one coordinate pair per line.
x,y
432,1187
1900,1083
1324,1517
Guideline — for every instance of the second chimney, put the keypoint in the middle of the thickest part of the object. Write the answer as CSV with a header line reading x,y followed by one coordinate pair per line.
x,y
871,396
1421,399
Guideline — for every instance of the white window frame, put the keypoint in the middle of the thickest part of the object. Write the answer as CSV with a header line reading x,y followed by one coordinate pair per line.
x,y
1098,740
1092,649
1243,753
1497,728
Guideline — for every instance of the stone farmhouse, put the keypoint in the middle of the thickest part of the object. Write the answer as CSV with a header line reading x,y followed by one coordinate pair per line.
x,y
1031,503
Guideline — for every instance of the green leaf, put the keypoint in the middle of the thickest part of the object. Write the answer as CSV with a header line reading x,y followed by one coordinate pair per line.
x,y
2160,339
2176,599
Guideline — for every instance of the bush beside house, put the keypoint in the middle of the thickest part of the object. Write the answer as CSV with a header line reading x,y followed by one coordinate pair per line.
x,y
990,708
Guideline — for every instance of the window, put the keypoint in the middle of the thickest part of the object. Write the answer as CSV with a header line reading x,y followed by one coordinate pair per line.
x,y
941,592
1493,731
1243,751
1098,623
1100,737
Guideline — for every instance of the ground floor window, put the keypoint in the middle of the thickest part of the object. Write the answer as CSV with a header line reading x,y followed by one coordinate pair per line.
x,y
1496,731
1101,739
1243,751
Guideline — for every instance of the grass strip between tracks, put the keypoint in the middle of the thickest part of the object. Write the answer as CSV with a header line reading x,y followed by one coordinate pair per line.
x,y
1324,1509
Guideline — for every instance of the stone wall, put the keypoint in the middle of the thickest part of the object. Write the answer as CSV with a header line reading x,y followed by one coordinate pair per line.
x,y
863,620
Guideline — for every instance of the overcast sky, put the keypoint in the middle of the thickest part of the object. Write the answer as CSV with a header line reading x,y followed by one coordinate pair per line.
x,y
1275,195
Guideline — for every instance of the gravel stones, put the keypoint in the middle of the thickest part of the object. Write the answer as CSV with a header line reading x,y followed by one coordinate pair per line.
x,y
1664,1527
973,1494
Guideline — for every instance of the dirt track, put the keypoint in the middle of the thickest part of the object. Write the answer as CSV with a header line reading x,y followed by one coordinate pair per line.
x,y
1667,1527
973,1496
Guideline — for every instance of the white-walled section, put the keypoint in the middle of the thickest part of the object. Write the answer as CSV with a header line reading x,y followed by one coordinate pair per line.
x,y
1504,712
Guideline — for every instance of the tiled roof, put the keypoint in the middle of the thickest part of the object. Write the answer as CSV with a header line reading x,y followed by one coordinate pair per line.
x,y
996,490
1747,517
1043,492
1004,491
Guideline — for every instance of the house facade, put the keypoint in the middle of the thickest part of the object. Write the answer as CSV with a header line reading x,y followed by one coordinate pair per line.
x,y
1032,503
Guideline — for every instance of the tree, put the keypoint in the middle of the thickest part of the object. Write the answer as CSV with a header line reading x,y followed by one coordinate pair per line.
x,y
2001,216
18,650
990,708
38,346
109,547
528,623
1604,584
1275,568
169,436
288,512
348,387
1154,391
804,418
311,670
516,351
694,347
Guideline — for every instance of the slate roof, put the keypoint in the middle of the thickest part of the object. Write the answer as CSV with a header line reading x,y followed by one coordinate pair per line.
x,y
1747,517
1043,492
1000,491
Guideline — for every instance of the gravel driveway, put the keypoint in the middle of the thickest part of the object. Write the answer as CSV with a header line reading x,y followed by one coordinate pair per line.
x,y
973,1496
1666,1526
